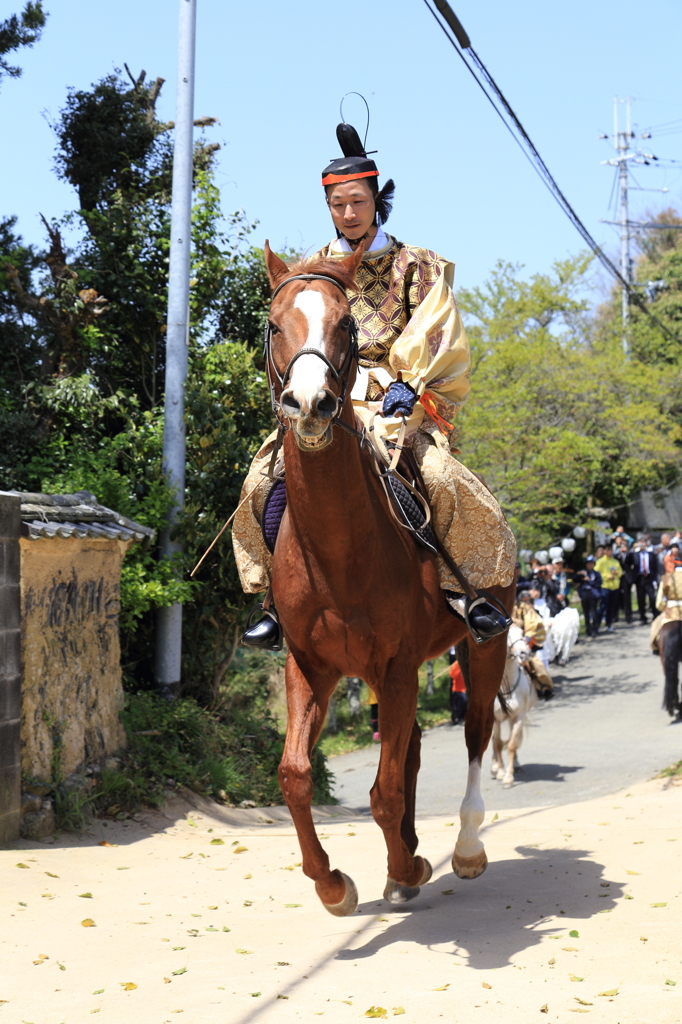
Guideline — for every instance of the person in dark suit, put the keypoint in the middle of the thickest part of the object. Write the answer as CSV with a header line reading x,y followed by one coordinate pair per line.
x,y
627,561
646,577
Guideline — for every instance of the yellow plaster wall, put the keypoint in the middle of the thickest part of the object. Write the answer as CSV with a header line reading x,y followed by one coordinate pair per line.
x,y
71,658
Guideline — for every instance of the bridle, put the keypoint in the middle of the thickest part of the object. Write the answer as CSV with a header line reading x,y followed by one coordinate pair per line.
x,y
341,376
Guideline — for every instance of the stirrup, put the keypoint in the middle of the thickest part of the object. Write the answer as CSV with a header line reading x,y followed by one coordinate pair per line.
x,y
267,633
467,604
485,597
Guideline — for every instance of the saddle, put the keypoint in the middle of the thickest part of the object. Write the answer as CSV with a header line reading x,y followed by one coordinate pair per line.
x,y
405,506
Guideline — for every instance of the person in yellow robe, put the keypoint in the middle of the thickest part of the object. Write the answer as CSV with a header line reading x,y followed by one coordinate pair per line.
x,y
414,363
668,602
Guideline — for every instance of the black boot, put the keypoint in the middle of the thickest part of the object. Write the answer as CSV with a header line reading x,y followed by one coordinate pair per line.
x,y
265,635
481,616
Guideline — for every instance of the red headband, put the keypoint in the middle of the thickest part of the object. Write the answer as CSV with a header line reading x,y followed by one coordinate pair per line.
x,y
336,179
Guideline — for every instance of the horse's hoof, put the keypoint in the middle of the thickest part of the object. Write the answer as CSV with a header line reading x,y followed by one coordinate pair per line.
x,y
507,784
397,893
349,903
469,867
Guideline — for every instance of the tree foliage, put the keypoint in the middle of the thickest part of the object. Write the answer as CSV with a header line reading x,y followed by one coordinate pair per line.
x,y
557,416
19,30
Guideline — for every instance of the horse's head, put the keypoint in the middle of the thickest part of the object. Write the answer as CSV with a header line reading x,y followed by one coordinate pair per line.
x,y
312,342
517,648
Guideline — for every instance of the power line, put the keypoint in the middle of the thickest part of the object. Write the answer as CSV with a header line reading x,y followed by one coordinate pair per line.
x,y
505,112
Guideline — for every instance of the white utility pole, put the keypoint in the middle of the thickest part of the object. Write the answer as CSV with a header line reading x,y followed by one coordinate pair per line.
x,y
622,142
169,620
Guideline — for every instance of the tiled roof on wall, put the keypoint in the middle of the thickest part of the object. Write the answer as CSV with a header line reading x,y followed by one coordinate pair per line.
x,y
76,515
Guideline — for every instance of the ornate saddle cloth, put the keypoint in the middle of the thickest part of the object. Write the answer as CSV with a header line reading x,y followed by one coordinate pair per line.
x,y
405,505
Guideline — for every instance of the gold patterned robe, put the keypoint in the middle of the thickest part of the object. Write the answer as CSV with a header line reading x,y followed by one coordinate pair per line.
x,y
408,322
668,602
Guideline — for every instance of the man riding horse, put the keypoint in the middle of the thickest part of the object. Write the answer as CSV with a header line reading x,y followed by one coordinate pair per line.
x,y
413,374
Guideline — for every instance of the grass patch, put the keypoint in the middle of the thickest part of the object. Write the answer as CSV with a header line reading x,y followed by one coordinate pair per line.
x,y
181,744
674,771
356,734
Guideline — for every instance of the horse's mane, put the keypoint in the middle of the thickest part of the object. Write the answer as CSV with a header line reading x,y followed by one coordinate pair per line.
x,y
330,268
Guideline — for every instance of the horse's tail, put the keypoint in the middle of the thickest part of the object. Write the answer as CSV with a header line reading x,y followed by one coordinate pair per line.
x,y
673,656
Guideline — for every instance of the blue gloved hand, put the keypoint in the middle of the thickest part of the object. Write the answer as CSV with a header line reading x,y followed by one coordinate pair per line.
x,y
398,400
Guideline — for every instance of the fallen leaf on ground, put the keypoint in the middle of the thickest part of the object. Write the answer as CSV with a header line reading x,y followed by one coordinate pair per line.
x,y
576,1009
247,903
376,1011
186,856
495,816
105,842
217,842
20,865
214,907
123,869
192,823
225,928
544,1009
642,938
350,833
446,892
552,962
98,992
96,1010
293,904
570,949
658,904
609,992
442,988
485,984
397,1010
42,957
583,1002
574,977
382,919
88,923
240,849
254,994
243,951
128,986
669,982
628,896
179,947
180,970
85,895
574,934
61,966
51,875
286,997
632,872
166,981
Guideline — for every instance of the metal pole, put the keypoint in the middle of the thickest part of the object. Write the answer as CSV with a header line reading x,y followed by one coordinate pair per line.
x,y
622,145
169,620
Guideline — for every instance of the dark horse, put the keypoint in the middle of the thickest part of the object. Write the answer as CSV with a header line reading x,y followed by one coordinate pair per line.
x,y
356,596
670,650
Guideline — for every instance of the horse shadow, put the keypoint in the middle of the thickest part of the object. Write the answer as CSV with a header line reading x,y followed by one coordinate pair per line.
x,y
513,906
534,772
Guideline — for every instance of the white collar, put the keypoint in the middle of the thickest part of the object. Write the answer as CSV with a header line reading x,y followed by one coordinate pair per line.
x,y
380,241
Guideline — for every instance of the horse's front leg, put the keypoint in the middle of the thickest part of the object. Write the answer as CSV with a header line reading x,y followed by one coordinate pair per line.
x,y
307,699
513,745
393,794
497,766
483,668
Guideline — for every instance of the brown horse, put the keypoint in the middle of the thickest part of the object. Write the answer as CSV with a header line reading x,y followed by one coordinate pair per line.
x,y
355,595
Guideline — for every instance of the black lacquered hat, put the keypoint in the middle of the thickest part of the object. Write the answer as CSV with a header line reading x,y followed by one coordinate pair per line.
x,y
354,163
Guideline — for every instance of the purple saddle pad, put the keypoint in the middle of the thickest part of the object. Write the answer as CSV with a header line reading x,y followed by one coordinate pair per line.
x,y
273,510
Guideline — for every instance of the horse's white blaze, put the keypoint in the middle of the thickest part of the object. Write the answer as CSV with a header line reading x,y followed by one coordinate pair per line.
x,y
309,372
471,814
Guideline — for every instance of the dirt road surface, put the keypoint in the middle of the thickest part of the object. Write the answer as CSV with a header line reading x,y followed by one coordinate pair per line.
x,y
202,914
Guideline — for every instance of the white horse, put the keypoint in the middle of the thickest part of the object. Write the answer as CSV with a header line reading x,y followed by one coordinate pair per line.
x,y
520,696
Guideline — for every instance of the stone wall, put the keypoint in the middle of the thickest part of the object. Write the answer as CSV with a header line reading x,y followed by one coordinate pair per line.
x,y
71,668
10,669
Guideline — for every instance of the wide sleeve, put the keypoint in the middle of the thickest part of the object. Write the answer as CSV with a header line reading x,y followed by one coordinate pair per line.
x,y
661,599
432,353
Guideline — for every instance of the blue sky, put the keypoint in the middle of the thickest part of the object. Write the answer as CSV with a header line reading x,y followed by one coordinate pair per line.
x,y
274,72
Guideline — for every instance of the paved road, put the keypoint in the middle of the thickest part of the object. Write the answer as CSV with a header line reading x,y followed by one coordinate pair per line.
x,y
605,729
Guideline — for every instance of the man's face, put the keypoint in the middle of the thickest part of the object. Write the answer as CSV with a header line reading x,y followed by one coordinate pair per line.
x,y
352,207
665,539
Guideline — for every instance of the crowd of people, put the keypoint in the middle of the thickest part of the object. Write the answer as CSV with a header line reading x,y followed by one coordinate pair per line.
x,y
605,586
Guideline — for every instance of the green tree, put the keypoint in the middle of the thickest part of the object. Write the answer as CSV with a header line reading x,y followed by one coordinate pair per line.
x,y
557,416
19,30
